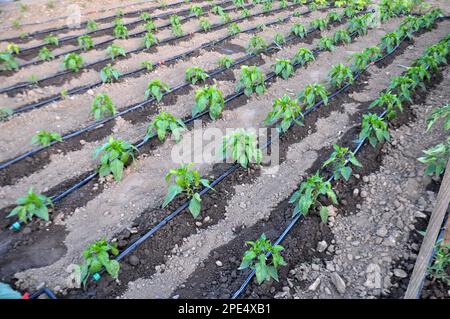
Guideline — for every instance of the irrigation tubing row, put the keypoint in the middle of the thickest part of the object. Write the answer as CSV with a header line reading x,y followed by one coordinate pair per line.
x,y
16,225
356,150
129,24
58,29
22,85
134,106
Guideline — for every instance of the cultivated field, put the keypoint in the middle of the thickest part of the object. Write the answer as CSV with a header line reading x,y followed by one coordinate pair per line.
x,y
143,144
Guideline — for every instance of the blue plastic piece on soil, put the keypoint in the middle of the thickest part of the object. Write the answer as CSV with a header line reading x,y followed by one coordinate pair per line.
x,y
96,276
15,226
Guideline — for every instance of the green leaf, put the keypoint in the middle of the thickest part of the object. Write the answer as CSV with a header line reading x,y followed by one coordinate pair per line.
x,y
173,191
324,214
195,205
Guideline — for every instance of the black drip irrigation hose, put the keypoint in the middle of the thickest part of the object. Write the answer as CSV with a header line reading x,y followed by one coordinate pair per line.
x,y
129,24
23,85
42,291
16,225
356,150
47,31
134,106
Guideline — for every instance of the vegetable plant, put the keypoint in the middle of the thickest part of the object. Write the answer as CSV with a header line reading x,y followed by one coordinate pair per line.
x,y
109,74
196,10
165,122
7,61
436,158
326,43
239,3
96,256
45,138
338,160
13,48
195,74
118,21
403,86
85,42
150,26
245,13
298,30
145,16
226,61
340,75
303,56
120,32
176,25
267,6
251,80
241,146
255,258
341,36
283,68
334,16
217,10
435,115
91,25
360,25
155,88
149,40
187,182
441,262
208,97
102,105
390,102
5,113
73,62
51,40
307,195
375,129
312,92
113,51
287,110
319,23
418,74
225,18
147,65
360,61
31,205
233,28
115,154
204,23
279,39
390,41
256,44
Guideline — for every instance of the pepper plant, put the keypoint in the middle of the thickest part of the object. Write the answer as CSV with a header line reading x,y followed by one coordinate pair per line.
x,y
307,195
156,88
287,110
187,182
340,75
149,40
283,68
109,74
85,42
5,113
102,105
319,23
115,154
13,48
150,26
311,94
390,41
96,256
195,74
205,25
241,146
334,16
403,86
441,262
208,97
390,102
176,25
436,158
266,268
303,56
73,62
165,122
299,30
256,44
341,36
375,129
45,138
441,112
7,61
45,54
279,39
91,25
51,40
251,80
196,10
339,160
226,61
233,28
113,51
31,205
